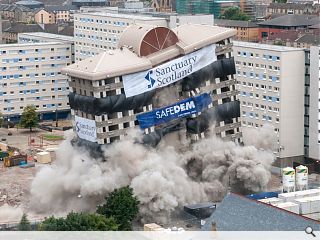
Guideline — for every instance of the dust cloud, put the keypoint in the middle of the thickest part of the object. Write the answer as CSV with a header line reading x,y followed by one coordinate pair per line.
x,y
162,178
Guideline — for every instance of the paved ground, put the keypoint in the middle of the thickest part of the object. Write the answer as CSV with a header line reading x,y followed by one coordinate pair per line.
x,y
20,138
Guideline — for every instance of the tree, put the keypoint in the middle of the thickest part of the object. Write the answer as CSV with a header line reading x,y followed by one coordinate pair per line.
x,y
122,205
80,222
29,117
234,13
24,224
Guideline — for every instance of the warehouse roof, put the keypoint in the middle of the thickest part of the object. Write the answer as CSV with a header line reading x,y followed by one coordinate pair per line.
x,y
123,61
239,213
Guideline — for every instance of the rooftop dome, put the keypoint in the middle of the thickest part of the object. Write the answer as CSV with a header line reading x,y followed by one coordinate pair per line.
x,y
147,39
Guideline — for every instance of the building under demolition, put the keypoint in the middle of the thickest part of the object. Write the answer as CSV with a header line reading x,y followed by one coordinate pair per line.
x,y
160,80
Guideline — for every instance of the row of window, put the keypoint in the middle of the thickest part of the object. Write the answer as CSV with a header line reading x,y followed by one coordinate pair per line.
x,y
257,65
28,75
114,39
251,124
36,50
257,55
35,59
259,76
261,86
18,84
31,91
10,109
262,107
90,20
264,97
97,29
256,115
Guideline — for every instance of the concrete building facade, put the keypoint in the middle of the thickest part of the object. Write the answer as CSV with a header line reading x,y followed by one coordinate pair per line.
x,y
31,75
314,109
271,85
99,99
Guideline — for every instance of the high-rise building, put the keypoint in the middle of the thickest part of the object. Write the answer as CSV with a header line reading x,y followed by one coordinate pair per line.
x,y
31,75
314,109
271,81
100,31
136,86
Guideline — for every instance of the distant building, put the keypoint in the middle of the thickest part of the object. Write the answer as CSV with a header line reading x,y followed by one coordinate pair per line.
x,y
239,213
17,13
194,7
31,75
10,33
63,13
248,7
303,38
162,5
219,6
44,16
246,31
286,22
32,4
293,8
92,3
271,84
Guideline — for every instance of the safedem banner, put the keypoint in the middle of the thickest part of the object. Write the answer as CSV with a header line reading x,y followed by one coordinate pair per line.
x,y
180,109
169,72
86,129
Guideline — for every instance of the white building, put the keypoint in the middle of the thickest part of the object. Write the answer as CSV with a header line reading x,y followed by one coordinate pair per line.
x,y
314,109
271,84
99,31
30,74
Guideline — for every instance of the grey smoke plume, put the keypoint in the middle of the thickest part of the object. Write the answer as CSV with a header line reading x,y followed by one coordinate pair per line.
x,y
162,178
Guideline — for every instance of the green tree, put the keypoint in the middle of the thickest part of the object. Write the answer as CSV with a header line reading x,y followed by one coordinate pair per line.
x,y
80,222
24,224
234,13
29,117
1,119
122,205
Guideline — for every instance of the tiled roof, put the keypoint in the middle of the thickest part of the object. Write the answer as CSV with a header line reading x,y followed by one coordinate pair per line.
x,y
239,213
234,23
12,7
291,21
294,6
55,8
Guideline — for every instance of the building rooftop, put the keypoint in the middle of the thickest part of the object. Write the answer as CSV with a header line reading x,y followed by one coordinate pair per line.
x,y
54,8
266,47
22,27
313,39
291,21
123,61
239,213
29,2
294,6
51,36
118,15
234,23
15,45
13,7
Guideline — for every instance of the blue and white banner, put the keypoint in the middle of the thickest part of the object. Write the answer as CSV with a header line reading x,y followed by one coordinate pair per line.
x,y
180,109
169,72
85,128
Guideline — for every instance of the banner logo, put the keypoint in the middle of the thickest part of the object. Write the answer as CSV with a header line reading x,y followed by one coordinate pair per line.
x,y
86,128
169,72
150,79
180,109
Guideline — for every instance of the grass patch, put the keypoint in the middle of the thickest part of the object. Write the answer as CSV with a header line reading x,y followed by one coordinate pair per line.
x,y
51,137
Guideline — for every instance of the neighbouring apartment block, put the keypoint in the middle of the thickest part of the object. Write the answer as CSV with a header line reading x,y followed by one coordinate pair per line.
x,y
132,87
314,109
271,83
96,32
31,75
